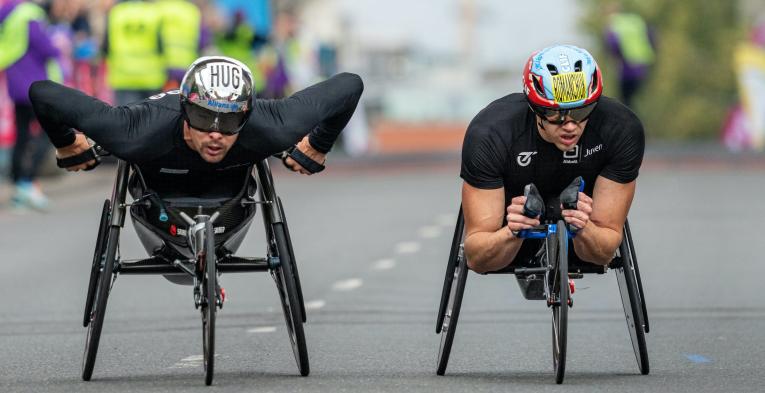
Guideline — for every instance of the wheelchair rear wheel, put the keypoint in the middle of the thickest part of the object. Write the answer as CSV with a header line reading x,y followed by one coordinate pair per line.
x,y
294,263
450,266
209,304
560,290
451,311
98,308
98,255
286,284
628,279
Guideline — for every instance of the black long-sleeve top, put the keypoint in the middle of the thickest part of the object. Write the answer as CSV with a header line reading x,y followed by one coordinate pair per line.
x,y
150,133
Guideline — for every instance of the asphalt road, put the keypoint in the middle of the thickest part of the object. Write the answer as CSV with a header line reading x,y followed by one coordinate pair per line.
x,y
371,243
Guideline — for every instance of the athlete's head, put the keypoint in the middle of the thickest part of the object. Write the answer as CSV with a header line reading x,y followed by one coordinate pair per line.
x,y
562,84
216,101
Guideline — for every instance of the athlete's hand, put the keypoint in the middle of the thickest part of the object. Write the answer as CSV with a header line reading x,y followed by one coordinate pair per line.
x,y
79,146
305,147
516,221
581,216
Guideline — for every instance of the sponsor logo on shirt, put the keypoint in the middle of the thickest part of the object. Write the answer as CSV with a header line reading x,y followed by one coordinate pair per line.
x,y
524,158
592,150
571,156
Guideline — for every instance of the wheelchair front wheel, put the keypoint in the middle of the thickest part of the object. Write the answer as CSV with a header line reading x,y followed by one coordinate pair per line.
x,y
560,289
286,284
210,304
98,308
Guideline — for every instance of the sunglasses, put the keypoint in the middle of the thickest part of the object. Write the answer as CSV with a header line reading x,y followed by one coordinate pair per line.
x,y
206,120
561,116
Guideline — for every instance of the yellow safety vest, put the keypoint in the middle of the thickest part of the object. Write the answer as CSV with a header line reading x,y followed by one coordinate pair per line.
x,y
180,32
632,33
14,37
134,59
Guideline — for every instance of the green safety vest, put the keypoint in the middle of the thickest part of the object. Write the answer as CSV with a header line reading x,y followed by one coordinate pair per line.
x,y
632,33
180,32
14,37
134,59
239,47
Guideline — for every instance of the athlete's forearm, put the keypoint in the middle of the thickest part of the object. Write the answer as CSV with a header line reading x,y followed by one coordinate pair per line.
x,y
322,110
596,244
491,251
339,104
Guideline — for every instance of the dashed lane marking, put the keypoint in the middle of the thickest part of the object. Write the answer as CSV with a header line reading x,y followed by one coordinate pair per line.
x,y
262,329
384,264
347,285
430,232
315,304
407,247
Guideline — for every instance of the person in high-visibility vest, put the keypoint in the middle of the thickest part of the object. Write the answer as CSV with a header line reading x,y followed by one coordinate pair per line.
x,y
136,68
183,38
631,41
27,55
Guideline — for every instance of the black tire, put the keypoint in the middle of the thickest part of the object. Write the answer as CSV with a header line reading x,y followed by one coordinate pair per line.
x,y
560,310
452,311
450,266
294,263
209,306
103,286
628,234
287,287
95,270
628,288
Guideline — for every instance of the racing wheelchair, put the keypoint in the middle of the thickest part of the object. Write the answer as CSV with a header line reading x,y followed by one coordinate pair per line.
x,y
194,251
548,276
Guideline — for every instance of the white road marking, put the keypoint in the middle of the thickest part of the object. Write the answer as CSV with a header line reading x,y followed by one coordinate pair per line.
x,y
315,304
347,285
384,264
190,362
262,329
430,232
407,247
446,220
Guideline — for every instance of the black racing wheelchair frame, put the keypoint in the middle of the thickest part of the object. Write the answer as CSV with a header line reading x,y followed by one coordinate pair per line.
x,y
204,267
548,278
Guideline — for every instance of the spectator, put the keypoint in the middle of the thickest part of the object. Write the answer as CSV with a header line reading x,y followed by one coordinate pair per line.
x,y
632,43
133,50
29,55
183,38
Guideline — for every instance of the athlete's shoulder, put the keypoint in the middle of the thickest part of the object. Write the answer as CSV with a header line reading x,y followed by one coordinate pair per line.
x,y
169,100
503,115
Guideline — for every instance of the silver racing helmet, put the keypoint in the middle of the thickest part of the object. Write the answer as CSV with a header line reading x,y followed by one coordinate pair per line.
x,y
217,95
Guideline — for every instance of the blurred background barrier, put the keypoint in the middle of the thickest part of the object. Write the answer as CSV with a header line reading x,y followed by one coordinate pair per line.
x,y
430,66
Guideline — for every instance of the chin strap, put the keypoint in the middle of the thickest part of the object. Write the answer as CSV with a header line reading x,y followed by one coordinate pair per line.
x,y
306,162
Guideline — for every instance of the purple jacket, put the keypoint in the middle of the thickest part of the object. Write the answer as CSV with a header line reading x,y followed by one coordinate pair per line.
x,y
31,66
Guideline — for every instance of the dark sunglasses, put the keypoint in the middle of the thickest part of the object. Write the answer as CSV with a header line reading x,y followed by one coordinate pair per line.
x,y
206,120
559,116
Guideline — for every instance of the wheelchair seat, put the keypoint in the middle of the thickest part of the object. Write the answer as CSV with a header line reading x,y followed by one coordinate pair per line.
x,y
162,231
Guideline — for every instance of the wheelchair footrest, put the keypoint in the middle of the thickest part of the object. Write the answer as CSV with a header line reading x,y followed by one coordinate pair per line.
x,y
532,286
153,265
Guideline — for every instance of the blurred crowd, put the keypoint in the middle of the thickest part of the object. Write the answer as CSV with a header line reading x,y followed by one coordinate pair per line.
x,y
123,51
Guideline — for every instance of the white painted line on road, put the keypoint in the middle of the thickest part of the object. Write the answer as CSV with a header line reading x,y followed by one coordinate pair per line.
x,y
262,329
384,264
446,220
190,362
407,247
430,232
315,304
347,285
